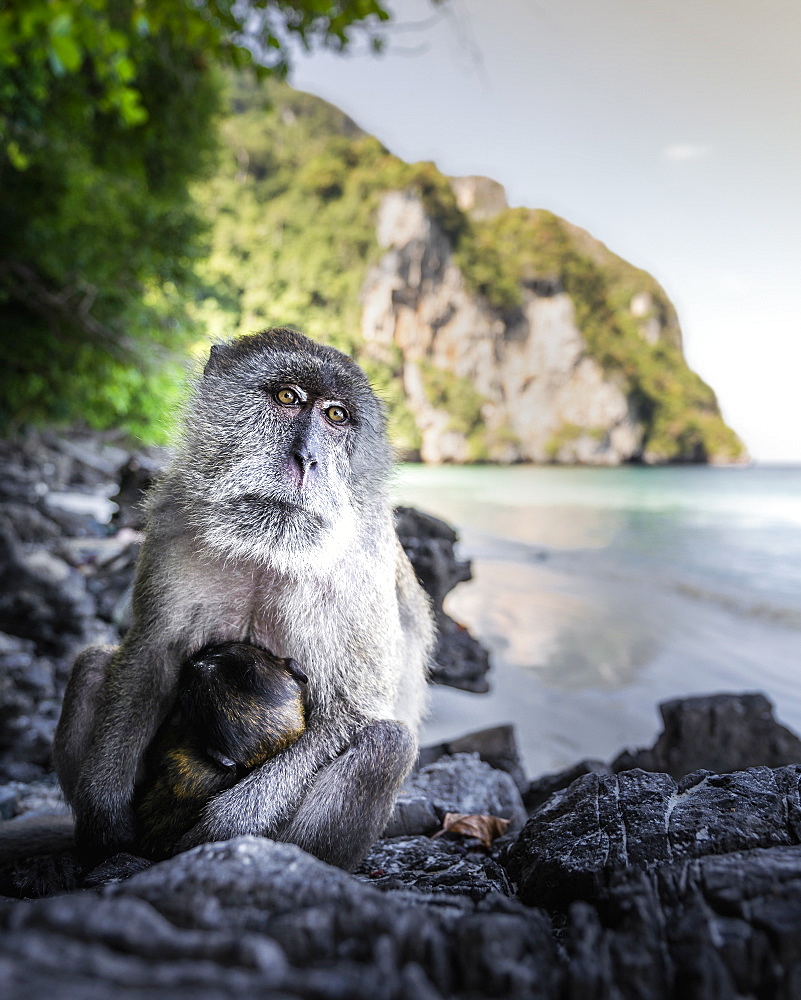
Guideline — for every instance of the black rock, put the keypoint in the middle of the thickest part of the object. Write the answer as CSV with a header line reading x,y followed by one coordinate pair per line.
x,y
94,460
36,797
603,823
48,601
429,543
720,732
497,746
43,468
73,523
540,789
414,813
29,525
136,477
28,709
462,783
716,927
658,889
460,660
423,864
110,581
8,802
254,918
115,869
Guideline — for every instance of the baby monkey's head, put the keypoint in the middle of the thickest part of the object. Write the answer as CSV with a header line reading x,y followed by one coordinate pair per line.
x,y
243,702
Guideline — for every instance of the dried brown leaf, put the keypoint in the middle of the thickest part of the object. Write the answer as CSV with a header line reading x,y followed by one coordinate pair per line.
x,y
482,826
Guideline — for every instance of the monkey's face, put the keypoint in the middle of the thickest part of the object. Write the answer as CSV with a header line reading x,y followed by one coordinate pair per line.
x,y
285,448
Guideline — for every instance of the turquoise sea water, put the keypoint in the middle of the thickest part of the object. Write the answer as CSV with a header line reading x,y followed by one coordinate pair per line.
x,y
601,592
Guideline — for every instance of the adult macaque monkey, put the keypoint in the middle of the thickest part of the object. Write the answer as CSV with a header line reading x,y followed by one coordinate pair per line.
x,y
273,526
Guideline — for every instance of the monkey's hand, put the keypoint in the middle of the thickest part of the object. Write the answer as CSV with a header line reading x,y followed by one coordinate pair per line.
x,y
266,799
104,823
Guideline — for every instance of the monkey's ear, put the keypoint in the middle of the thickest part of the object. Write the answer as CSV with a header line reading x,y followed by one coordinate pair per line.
x,y
292,666
216,355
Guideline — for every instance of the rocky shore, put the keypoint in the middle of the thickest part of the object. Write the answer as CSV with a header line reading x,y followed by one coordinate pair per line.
x,y
670,872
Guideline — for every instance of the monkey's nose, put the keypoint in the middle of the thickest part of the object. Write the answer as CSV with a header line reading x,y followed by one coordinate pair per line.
x,y
306,460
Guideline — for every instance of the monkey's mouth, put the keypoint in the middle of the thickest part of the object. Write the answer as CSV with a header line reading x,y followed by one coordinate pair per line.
x,y
253,501
274,510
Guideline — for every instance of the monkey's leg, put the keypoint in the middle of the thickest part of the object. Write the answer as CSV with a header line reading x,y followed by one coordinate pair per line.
x,y
346,808
76,726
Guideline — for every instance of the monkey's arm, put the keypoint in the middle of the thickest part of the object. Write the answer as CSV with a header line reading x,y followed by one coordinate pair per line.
x,y
332,804
135,698
264,800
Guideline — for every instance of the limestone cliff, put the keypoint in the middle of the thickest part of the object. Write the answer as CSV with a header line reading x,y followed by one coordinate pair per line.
x,y
537,395
499,384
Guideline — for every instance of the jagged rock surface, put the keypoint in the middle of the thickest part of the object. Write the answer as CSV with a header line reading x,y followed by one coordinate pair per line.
x,y
421,864
605,823
668,891
532,368
718,928
629,883
255,918
720,732
656,891
496,745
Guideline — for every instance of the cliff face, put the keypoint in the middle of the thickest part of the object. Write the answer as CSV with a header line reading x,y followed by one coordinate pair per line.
x,y
536,395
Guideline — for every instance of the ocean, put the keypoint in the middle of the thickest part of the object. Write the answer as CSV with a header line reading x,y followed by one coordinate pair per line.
x,y
602,592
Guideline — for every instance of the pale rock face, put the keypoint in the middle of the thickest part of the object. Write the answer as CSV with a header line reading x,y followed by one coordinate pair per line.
x,y
545,398
480,197
641,308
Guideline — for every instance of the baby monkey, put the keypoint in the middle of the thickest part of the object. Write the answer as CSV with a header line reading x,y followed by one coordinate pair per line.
x,y
238,706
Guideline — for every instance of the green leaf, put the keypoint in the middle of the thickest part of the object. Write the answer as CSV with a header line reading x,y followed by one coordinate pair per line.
x,y
126,69
67,52
17,158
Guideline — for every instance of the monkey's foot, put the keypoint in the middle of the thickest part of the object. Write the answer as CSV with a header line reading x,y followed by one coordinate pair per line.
x,y
99,835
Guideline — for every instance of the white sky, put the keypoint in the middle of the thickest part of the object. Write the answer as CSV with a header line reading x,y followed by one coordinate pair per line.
x,y
670,129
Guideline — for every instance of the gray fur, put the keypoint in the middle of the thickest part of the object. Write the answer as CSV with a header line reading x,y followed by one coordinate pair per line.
x,y
272,526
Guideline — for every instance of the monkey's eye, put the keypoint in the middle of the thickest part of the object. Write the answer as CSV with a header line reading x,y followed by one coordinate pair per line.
x,y
337,414
220,759
287,397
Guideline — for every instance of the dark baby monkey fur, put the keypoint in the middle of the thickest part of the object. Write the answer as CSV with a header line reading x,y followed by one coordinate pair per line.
x,y
272,526
238,706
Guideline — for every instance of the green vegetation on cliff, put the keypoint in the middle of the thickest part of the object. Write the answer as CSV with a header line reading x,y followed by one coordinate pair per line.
x,y
501,256
293,204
